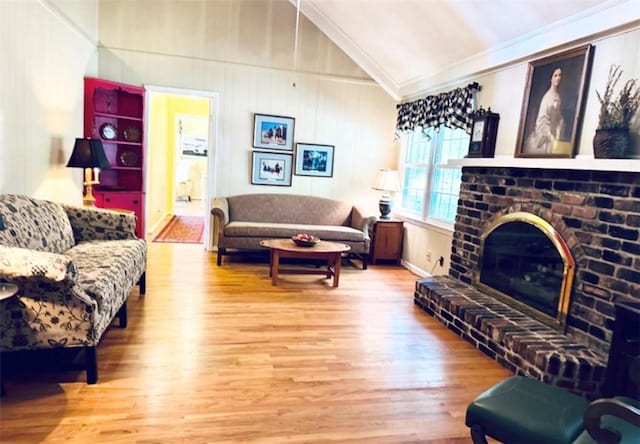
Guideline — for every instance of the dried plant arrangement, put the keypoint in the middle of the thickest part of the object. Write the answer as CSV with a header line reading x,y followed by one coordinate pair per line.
x,y
617,113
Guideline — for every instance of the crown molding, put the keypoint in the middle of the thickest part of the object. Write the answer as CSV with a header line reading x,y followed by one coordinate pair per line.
x,y
608,17
344,42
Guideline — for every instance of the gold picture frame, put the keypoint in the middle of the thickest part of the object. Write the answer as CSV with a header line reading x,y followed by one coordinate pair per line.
x,y
553,105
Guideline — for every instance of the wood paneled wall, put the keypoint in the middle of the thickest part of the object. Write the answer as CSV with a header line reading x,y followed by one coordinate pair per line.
x,y
44,58
244,52
503,90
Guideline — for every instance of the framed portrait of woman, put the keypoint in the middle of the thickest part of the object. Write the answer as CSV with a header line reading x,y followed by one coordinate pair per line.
x,y
551,116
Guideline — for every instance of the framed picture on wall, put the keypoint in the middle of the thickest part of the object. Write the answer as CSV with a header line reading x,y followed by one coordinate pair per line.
x,y
314,160
192,135
553,104
269,168
273,132
193,146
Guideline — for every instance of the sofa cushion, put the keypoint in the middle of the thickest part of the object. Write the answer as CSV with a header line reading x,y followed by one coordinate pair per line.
x,y
20,263
105,268
90,223
34,224
270,230
288,209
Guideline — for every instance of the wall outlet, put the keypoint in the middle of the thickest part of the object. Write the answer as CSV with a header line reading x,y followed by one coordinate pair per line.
x,y
429,255
441,261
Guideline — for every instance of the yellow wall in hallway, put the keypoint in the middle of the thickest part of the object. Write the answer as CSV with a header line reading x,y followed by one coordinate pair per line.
x,y
180,105
163,110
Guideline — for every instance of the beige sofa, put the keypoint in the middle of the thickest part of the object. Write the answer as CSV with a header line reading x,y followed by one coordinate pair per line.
x,y
241,222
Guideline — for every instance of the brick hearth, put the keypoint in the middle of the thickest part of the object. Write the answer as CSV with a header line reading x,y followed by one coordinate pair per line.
x,y
516,341
597,213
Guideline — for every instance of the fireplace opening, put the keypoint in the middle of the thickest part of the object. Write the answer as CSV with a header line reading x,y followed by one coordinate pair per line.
x,y
525,263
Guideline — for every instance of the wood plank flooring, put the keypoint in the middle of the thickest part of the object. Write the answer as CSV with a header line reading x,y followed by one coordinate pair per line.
x,y
218,355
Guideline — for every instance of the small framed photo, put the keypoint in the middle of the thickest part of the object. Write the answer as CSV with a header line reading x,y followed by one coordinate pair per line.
x,y
193,146
553,104
273,132
271,168
314,160
192,136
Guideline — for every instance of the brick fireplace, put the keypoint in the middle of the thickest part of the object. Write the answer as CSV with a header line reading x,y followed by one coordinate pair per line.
x,y
597,214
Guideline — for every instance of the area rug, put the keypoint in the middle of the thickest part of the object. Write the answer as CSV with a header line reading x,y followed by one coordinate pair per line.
x,y
182,229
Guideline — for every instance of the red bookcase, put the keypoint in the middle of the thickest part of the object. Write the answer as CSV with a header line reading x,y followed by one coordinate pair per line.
x,y
114,113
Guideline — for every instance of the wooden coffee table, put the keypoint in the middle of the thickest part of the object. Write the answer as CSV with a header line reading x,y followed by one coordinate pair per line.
x,y
286,248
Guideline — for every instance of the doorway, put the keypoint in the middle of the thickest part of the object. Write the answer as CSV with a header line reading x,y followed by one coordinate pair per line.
x,y
181,128
191,146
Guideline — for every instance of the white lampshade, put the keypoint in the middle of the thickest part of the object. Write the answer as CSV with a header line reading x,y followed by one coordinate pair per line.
x,y
387,180
58,186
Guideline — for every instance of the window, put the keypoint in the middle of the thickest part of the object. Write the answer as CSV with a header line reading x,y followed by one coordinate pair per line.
x,y
430,187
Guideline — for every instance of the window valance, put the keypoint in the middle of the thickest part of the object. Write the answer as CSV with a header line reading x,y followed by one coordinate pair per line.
x,y
452,109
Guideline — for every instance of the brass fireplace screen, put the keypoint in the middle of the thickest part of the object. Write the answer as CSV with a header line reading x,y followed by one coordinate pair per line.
x,y
525,263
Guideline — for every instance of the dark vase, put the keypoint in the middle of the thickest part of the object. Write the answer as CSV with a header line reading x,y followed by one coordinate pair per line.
x,y
611,143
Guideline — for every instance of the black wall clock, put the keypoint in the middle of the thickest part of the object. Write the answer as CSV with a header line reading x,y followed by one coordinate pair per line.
x,y
483,133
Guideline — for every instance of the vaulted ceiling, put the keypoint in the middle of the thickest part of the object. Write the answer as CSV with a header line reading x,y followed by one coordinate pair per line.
x,y
411,46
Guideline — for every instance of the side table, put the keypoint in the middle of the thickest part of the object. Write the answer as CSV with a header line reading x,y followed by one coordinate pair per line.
x,y
386,240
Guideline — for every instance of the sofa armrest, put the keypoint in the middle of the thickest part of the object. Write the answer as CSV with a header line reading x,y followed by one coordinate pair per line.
x,y
220,209
19,264
360,222
90,223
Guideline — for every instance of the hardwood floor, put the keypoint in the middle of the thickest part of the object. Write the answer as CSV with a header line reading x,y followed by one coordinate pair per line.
x,y
218,355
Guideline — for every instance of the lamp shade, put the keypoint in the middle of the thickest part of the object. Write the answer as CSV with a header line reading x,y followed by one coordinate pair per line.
x,y
387,180
88,153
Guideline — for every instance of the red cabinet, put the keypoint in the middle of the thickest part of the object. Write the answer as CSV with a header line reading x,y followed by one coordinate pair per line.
x,y
114,113
123,200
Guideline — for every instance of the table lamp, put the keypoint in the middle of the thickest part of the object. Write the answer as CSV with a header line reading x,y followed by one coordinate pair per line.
x,y
387,182
89,155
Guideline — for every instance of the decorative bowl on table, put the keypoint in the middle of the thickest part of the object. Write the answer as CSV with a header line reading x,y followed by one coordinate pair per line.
x,y
305,240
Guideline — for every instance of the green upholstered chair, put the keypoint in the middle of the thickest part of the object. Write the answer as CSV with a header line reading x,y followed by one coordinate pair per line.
x,y
522,410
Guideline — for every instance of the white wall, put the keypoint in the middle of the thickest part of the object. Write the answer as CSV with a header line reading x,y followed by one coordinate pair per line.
x,y
44,58
503,90
244,51
259,33
246,56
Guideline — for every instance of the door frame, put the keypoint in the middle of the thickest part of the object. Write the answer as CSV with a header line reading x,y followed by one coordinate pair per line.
x,y
214,105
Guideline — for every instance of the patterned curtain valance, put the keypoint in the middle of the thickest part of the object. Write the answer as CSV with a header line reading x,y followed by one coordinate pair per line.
x,y
453,109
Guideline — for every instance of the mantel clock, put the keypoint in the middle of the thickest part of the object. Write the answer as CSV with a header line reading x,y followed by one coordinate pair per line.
x,y
483,133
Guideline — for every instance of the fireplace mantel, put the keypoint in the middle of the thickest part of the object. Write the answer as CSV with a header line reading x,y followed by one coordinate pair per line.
x,y
578,163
